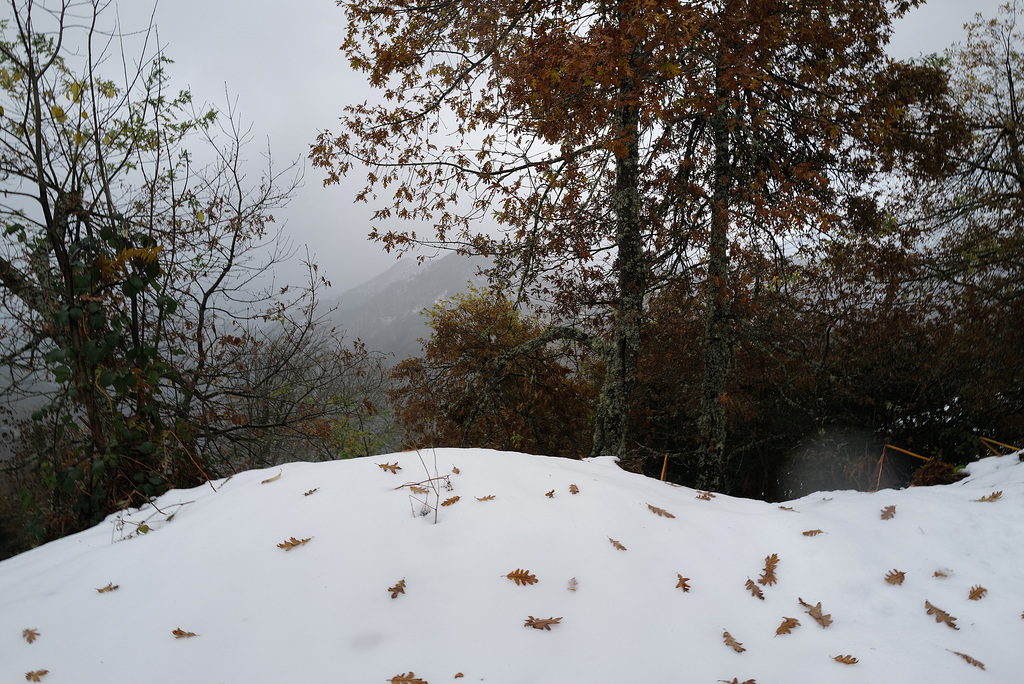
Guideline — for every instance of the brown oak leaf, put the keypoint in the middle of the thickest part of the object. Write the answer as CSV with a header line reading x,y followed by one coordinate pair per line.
x,y
416,489
815,612
682,583
393,468
969,659
754,589
179,633
409,678
522,577
110,587
729,641
812,533
977,592
888,512
573,489
845,659
36,675
398,588
939,573
489,497
538,623
30,635
456,470
736,680
551,494
768,576
705,496
289,544
787,625
994,496
660,511
311,491
940,615
895,577
616,544
449,502
787,508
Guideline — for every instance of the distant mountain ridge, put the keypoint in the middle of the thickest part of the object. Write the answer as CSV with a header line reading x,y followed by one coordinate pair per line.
x,y
385,312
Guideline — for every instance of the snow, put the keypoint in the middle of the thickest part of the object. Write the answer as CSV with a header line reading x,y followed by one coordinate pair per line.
x,y
322,612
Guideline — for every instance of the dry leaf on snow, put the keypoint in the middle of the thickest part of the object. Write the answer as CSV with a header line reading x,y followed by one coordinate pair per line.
x,y
272,479
311,491
991,497
660,511
416,489
682,584
36,675
705,496
972,661
845,659
110,587
393,468
459,675
812,533
888,512
289,544
754,589
30,635
895,577
787,625
538,623
768,576
551,494
489,497
573,584
573,489
736,680
449,502
456,470
398,588
977,592
616,544
815,612
940,615
522,577
410,678
939,573
179,633
787,508
729,641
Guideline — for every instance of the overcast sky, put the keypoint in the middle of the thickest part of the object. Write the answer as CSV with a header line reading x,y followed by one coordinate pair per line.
x,y
280,58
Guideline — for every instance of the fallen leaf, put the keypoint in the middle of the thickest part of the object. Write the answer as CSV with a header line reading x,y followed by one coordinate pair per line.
x,y
398,588
456,470
538,623
939,573
311,491
815,612
845,659
888,512
812,533
289,544
616,544
660,511
179,633
768,576
30,635
787,625
991,497
895,577
110,587
573,584
573,489
449,502
418,490
551,494
682,583
735,680
729,641
489,497
522,578
972,661
36,675
392,467
754,589
410,678
459,675
940,615
272,479
977,592
787,508
705,496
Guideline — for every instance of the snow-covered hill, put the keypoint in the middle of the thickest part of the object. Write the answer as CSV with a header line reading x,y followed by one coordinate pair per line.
x,y
218,564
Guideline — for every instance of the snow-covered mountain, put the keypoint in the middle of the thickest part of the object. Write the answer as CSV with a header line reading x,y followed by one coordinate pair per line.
x,y
386,311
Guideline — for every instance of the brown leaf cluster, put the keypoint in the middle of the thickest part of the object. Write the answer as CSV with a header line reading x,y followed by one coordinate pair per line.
x,y
179,633
888,512
768,576
977,592
683,583
705,496
30,635
754,589
399,588
895,577
729,641
660,511
289,544
787,626
823,619
522,578
940,615
538,623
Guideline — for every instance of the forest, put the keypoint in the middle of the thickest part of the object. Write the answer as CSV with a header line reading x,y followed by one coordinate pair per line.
x,y
734,244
